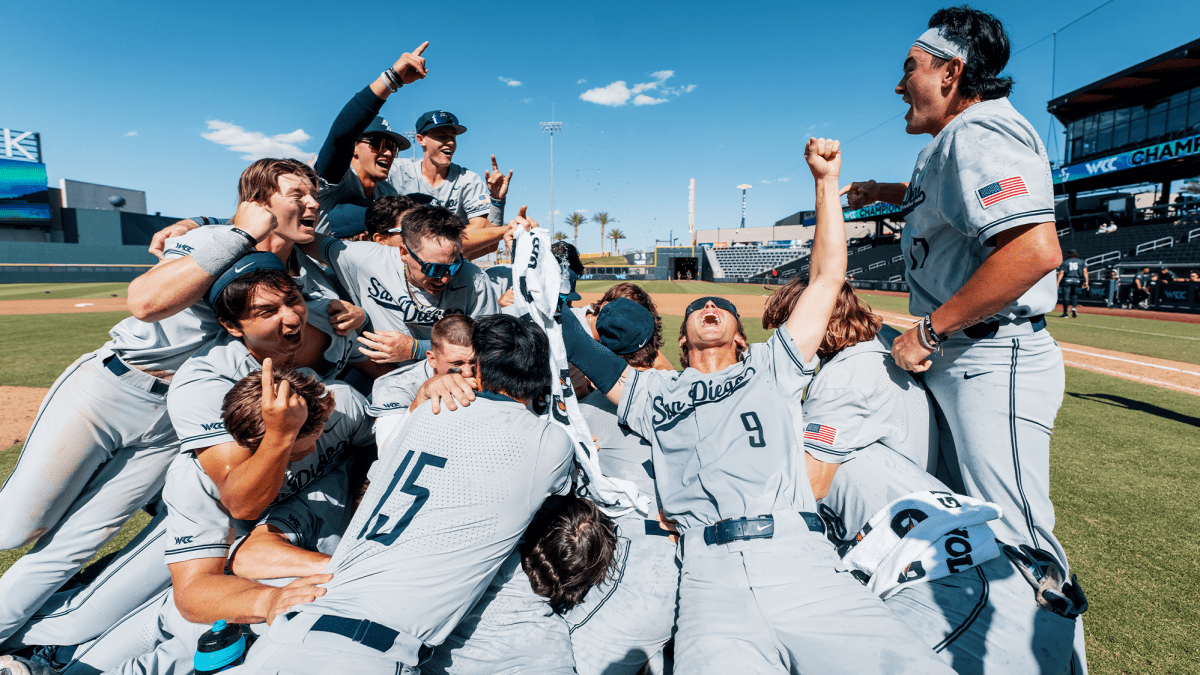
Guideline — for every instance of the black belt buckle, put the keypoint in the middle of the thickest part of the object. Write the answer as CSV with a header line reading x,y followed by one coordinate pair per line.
x,y
739,529
366,633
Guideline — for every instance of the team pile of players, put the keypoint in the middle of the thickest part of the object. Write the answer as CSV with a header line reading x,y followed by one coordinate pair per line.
x,y
373,453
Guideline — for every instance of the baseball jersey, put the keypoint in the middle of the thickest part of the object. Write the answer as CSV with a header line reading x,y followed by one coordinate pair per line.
x,y
199,526
985,173
623,454
316,517
463,191
380,283
349,190
166,344
450,502
196,398
860,397
394,391
867,482
1072,269
726,444
501,278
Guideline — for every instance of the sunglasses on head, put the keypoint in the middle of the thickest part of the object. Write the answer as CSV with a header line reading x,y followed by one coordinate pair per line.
x,y
439,119
380,143
436,270
699,303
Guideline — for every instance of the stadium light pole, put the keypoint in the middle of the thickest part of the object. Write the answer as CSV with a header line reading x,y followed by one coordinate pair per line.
x,y
412,141
743,187
550,128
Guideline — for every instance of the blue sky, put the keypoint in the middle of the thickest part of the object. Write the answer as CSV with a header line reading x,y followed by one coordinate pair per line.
x,y
124,93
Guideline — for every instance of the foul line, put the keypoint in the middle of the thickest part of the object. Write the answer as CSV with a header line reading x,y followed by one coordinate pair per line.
x,y
1128,376
1138,363
1139,332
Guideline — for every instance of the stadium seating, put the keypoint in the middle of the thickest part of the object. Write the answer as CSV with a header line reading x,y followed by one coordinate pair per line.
x,y
747,261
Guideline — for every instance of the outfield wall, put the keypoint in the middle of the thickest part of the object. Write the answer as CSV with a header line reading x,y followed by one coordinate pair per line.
x,y
24,262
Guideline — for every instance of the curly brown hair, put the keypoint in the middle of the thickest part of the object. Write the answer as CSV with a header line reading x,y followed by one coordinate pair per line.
x,y
242,409
852,321
568,548
644,357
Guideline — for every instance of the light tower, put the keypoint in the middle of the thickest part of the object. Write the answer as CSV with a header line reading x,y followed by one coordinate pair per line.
x,y
743,187
412,140
550,128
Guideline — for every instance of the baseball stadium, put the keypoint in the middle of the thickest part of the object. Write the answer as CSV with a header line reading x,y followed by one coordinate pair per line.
x,y
213,389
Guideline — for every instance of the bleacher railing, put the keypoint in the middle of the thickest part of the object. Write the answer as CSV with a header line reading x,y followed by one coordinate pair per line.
x,y
856,270
897,258
896,277
1161,242
1102,258
1064,232
863,248
878,264
1194,234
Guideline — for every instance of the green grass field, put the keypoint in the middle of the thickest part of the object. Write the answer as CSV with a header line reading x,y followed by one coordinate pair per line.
x,y
684,287
1124,466
49,291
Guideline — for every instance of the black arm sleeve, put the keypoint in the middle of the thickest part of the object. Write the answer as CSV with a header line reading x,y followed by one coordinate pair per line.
x,y
600,365
334,159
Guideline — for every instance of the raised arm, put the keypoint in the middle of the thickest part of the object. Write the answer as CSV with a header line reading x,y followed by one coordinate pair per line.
x,y
334,158
809,317
173,285
605,369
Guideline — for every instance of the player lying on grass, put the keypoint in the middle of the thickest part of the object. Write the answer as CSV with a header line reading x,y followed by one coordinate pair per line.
x,y
448,503
265,317
624,623
762,590
871,443
406,289
102,440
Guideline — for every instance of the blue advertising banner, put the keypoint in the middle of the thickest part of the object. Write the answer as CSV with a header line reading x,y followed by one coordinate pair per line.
x,y
869,211
1127,160
23,193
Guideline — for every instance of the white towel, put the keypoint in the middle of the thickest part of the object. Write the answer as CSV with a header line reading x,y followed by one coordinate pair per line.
x,y
537,280
921,537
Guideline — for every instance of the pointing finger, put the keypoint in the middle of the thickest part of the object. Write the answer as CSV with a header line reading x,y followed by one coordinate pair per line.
x,y
521,212
494,166
846,189
418,50
268,381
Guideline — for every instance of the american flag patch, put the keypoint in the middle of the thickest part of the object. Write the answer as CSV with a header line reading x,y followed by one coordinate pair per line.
x,y
820,433
1001,190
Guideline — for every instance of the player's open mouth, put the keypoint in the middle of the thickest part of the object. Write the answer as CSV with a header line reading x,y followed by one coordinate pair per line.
x,y
308,222
710,317
293,336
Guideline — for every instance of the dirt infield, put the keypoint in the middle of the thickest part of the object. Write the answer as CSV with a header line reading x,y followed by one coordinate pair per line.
x,y
62,306
20,405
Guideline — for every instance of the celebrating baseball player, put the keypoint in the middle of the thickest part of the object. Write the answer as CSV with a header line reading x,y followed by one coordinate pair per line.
x,y
761,588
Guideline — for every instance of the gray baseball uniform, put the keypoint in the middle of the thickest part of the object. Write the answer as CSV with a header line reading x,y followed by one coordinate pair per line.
x,y
100,446
728,445
463,191
981,620
378,277
392,394
861,397
156,639
623,623
444,510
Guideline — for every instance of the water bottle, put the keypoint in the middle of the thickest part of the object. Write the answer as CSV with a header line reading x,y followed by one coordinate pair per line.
x,y
220,649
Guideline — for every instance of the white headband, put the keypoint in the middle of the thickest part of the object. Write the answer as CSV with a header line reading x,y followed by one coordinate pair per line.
x,y
936,43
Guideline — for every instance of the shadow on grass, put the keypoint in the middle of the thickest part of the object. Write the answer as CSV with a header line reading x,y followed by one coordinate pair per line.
x,y
1138,406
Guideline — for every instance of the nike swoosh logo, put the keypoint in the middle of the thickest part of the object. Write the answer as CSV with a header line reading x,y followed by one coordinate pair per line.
x,y
967,377
239,268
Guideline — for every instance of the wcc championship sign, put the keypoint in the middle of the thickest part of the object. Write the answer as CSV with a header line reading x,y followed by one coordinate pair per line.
x,y
23,194
1152,154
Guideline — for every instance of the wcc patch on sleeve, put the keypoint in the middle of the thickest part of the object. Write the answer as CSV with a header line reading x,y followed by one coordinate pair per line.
x,y
820,433
994,193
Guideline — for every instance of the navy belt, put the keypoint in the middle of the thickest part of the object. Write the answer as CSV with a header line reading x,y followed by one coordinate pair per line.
x,y
366,633
982,331
762,527
117,367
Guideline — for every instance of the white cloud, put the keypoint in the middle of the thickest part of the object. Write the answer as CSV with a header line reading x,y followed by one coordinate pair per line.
x,y
618,94
581,81
810,127
526,101
510,82
614,94
581,211
256,144
642,99
785,179
130,133
764,181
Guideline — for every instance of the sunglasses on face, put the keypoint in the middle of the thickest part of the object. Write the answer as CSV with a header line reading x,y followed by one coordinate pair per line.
x,y
699,303
380,144
436,270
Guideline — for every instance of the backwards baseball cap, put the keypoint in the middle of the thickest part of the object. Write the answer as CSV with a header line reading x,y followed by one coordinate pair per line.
x,y
259,260
699,303
438,118
939,43
347,220
624,326
380,127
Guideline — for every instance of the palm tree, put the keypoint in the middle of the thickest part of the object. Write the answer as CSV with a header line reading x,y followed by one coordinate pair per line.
x,y
575,220
616,236
559,236
603,219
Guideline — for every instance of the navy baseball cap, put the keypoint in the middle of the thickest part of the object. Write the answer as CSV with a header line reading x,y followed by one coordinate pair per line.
x,y
624,326
438,118
699,303
380,127
347,220
259,260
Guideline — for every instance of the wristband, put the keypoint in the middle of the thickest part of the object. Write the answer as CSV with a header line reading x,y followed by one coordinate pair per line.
x,y
422,347
933,337
392,79
225,249
497,202
249,237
